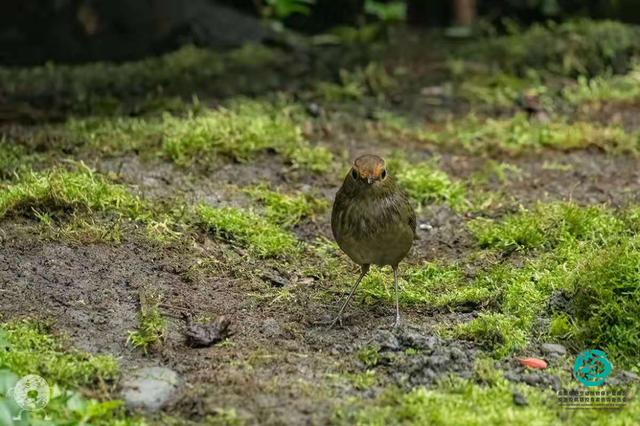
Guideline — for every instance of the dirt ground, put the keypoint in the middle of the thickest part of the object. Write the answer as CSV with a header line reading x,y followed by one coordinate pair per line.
x,y
281,364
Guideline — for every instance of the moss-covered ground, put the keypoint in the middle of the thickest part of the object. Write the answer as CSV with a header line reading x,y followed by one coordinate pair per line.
x,y
199,184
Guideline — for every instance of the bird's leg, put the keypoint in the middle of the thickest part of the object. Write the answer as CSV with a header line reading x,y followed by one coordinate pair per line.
x,y
363,272
395,284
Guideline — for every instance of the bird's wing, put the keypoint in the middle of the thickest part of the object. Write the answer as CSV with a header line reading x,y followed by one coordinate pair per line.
x,y
410,214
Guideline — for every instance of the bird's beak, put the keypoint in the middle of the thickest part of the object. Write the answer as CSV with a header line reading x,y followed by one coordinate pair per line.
x,y
370,180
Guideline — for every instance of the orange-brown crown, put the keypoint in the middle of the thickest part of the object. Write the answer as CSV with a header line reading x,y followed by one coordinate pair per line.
x,y
369,167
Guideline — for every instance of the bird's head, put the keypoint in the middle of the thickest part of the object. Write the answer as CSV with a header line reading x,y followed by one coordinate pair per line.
x,y
368,169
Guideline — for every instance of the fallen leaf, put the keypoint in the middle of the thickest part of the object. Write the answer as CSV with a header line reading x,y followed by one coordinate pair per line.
x,y
533,363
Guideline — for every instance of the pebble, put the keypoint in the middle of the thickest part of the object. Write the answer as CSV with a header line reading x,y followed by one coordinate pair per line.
x,y
314,110
414,339
553,349
149,388
275,279
386,340
630,376
531,379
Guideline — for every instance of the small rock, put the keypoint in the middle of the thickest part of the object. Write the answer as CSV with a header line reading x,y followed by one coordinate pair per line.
x,y
439,361
512,376
386,340
559,302
553,349
629,376
149,388
531,379
275,279
519,399
425,227
203,335
555,383
427,375
433,91
456,354
314,110
413,339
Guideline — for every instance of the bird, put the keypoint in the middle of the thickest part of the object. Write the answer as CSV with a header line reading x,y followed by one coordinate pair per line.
x,y
372,221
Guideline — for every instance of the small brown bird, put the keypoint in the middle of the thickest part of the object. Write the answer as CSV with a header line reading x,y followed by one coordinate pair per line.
x,y
372,221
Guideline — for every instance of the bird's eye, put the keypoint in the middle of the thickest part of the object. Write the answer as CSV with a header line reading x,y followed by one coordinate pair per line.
x,y
383,174
354,174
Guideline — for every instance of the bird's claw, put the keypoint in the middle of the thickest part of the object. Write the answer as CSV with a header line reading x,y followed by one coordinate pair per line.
x,y
338,319
396,323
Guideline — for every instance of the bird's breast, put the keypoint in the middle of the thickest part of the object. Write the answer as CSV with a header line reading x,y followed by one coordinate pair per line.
x,y
372,231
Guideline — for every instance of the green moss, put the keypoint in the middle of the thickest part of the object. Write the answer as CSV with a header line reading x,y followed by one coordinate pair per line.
x,y
518,134
391,125
285,209
32,350
315,158
500,90
364,380
63,189
486,372
254,55
248,229
84,207
495,330
589,253
434,285
581,47
505,91
241,131
355,84
465,403
81,229
184,65
100,88
369,356
223,417
502,172
13,159
605,301
151,324
612,88
546,225
426,183
560,326
116,135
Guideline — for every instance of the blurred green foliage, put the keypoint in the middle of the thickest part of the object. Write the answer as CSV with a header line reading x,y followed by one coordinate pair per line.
x,y
280,9
387,12
248,229
580,47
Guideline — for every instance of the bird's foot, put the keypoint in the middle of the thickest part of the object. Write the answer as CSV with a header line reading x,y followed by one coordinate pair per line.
x,y
337,320
396,323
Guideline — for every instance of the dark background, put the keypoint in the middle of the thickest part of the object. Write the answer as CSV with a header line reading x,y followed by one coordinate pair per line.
x,y
37,31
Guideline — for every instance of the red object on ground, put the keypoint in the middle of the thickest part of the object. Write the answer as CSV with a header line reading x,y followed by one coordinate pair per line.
x,y
533,363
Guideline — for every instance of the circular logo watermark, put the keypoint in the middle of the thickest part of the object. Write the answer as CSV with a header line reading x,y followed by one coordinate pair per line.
x,y
32,393
592,367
